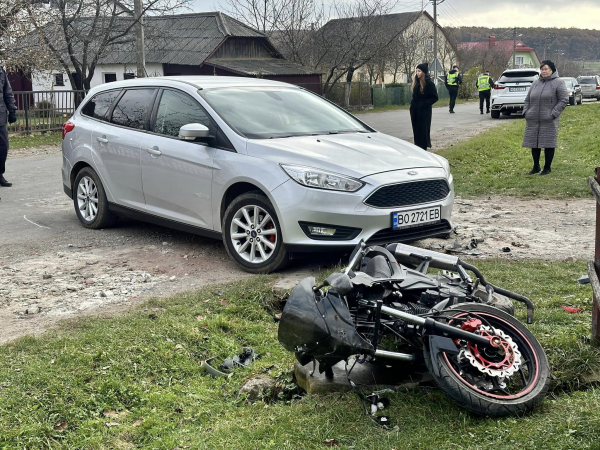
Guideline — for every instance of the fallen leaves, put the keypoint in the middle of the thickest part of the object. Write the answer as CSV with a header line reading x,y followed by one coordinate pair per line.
x,y
61,426
138,422
331,443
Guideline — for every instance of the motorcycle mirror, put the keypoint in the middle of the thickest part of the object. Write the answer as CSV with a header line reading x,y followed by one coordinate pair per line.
x,y
340,282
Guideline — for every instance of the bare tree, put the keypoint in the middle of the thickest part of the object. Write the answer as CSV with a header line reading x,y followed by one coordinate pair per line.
x,y
77,34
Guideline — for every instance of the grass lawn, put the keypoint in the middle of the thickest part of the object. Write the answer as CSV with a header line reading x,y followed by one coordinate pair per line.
x,y
34,140
495,163
135,382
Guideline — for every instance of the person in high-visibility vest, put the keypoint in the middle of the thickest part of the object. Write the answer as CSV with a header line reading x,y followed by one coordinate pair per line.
x,y
484,85
453,80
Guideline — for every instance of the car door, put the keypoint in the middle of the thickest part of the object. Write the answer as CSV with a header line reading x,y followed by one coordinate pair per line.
x,y
177,174
117,146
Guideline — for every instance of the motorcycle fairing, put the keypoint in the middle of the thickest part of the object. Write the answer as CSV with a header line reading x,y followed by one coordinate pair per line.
x,y
319,327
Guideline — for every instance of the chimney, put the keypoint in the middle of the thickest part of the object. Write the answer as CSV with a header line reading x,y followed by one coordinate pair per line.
x,y
492,41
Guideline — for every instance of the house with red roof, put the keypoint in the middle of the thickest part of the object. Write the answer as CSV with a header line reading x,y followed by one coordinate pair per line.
x,y
525,56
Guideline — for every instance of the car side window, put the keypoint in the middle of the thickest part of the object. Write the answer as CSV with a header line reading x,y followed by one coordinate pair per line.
x,y
132,109
100,104
177,109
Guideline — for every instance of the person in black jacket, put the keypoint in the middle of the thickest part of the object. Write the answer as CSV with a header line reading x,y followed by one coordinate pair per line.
x,y
424,96
8,110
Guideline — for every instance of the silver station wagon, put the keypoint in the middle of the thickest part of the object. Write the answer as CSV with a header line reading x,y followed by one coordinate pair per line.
x,y
270,168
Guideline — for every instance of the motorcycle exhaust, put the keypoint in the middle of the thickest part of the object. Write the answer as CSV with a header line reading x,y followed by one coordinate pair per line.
x,y
407,254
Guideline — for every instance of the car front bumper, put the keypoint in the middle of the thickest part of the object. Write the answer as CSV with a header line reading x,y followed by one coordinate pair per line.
x,y
298,204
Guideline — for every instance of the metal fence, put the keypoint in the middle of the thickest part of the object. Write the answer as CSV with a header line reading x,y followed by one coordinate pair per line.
x,y
44,111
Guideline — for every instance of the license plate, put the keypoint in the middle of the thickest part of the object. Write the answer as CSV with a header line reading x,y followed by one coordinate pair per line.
x,y
416,217
517,89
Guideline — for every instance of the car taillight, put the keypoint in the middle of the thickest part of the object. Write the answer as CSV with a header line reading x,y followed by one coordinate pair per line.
x,y
496,86
597,87
67,126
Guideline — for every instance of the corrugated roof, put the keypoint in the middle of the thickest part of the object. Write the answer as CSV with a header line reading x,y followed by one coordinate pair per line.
x,y
183,39
262,66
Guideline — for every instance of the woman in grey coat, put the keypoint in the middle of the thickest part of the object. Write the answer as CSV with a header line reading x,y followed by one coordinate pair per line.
x,y
545,101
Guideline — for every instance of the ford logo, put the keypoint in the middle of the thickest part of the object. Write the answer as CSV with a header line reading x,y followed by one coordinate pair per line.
x,y
411,172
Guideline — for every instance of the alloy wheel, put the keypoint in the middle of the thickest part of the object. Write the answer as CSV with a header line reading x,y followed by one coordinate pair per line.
x,y
87,198
253,234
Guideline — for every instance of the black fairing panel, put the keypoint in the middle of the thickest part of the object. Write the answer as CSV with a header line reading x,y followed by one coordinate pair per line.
x,y
321,328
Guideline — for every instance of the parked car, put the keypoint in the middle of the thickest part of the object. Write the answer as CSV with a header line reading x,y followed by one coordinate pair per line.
x,y
270,168
510,90
574,88
590,86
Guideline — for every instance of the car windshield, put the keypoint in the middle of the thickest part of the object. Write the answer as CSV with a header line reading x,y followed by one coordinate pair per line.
x,y
278,112
569,83
518,77
586,80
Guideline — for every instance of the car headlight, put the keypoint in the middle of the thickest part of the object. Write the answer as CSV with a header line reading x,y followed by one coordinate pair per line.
x,y
320,179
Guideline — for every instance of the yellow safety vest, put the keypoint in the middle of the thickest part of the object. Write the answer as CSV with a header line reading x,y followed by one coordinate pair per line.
x,y
451,79
484,83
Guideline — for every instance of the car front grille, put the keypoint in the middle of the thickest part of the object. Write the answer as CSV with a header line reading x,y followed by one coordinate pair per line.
x,y
389,235
405,194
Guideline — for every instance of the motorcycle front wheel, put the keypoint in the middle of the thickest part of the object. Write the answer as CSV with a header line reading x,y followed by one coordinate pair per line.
x,y
507,380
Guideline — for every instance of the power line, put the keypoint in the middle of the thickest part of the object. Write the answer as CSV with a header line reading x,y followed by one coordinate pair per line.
x,y
458,15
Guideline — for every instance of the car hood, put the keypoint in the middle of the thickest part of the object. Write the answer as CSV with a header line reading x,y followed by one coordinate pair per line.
x,y
357,154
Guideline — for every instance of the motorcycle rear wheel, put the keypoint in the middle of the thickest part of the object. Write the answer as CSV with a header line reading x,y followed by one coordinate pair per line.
x,y
484,394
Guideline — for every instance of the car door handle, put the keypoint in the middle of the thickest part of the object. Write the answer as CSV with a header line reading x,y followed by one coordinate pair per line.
x,y
102,139
154,151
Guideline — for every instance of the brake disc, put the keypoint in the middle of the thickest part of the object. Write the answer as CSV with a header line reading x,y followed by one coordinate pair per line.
x,y
506,368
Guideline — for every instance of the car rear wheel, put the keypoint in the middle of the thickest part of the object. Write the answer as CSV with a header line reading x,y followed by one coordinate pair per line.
x,y
252,235
571,101
89,199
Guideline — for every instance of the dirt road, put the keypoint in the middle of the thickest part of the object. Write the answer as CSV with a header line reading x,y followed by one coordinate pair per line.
x,y
51,268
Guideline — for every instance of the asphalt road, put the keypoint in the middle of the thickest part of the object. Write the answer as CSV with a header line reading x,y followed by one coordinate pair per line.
x,y
35,211
397,123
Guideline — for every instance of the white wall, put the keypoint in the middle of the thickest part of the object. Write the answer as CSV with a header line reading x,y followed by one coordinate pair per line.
x,y
44,81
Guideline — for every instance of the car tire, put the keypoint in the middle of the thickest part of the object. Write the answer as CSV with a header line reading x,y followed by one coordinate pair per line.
x,y
89,200
571,101
495,114
580,102
253,252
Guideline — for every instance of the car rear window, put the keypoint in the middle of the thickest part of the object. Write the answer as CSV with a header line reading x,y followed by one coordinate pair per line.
x,y
132,109
587,80
100,104
521,76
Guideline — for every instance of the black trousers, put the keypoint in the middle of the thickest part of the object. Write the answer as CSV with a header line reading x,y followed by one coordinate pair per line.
x,y
484,95
453,91
3,148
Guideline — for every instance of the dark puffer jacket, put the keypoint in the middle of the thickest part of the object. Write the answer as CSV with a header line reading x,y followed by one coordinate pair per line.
x,y
8,100
544,104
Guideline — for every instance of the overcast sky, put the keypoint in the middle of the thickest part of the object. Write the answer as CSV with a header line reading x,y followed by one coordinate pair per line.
x,y
492,13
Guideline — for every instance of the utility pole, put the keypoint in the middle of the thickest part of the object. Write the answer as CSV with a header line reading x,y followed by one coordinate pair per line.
x,y
515,48
435,25
139,38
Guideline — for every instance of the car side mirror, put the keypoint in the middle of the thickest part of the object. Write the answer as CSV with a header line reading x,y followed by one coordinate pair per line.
x,y
193,131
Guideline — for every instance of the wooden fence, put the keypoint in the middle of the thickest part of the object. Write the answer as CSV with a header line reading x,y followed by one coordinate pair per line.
x,y
594,266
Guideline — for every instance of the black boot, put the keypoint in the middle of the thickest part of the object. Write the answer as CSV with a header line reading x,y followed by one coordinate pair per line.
x,y
535,170
3,182
545,171
535,153
488,111
481,111
548,156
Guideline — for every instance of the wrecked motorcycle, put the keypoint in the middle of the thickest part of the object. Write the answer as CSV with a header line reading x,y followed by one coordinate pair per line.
x,y
462,329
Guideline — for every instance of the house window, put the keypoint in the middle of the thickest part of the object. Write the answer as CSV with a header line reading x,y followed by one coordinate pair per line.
x,y
430,43
110,77
520,60
128,76
59,80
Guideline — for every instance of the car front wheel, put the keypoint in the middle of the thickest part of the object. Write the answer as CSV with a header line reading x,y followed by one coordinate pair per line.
x,y
252,234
